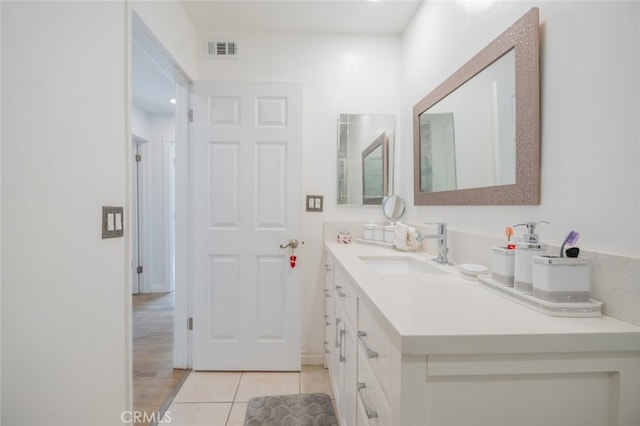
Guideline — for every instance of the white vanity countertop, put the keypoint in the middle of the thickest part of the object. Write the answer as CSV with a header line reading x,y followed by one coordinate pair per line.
x,y
447,314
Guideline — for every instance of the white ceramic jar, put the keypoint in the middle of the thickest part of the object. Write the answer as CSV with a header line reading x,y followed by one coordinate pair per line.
x,y
378,233
389,233
367,231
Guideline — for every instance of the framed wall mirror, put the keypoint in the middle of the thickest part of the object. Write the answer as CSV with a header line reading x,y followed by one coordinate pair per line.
x,y
365,158
477,135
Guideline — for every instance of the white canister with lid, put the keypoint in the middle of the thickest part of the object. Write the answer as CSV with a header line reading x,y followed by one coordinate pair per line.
x,y
378,233
367,230
389,233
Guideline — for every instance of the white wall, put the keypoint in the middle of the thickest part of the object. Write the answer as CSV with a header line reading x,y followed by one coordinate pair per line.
x,y
156,195
590,60
65,337
340,74
156,161
172,27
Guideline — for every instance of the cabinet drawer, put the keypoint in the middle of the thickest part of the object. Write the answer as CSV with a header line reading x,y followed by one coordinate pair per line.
x,y
345,295
373,406
375,347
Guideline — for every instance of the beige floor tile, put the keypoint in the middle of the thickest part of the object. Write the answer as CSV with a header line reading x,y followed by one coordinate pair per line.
x,y
267,383
315,379
199,414
238,411
202,386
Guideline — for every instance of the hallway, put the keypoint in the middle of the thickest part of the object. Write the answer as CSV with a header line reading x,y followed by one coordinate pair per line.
x,y
154,377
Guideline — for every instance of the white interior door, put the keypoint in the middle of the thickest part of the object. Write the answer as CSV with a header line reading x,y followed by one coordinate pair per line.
x,y
246,165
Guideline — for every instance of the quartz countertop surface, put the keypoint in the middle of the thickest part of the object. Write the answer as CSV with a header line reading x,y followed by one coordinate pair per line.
x,y
448,314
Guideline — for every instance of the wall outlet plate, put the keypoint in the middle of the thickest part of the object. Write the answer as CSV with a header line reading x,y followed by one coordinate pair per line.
x,y
112,222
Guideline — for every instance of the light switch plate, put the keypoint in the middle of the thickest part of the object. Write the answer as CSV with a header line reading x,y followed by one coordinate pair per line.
x,y
314,203
112,222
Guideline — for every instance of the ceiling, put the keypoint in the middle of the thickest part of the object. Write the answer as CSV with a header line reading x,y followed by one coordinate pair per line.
x,y
318,16
152,81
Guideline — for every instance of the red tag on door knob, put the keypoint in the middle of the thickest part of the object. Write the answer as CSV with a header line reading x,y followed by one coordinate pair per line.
x,y
292,261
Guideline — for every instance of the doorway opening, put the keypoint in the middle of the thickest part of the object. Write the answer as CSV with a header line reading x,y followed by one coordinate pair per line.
x,y
155,85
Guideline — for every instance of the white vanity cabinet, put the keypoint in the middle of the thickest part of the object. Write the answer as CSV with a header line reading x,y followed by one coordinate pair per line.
x,y
441,350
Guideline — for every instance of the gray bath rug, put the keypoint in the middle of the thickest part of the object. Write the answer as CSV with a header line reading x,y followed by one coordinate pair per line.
x,y
307,409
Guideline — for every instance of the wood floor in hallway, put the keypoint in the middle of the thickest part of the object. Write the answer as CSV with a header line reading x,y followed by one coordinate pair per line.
x,y
154,377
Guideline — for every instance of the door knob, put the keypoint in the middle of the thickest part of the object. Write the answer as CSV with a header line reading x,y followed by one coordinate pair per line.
x,y
292,243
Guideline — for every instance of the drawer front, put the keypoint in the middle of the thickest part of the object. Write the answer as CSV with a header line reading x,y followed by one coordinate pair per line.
x,y
375,347
373,406
345,295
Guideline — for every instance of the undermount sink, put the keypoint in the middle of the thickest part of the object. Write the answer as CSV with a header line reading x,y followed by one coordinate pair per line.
x,y
399,265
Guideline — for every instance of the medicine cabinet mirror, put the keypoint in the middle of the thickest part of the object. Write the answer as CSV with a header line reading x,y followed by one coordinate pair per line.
x,y
365,158
477,135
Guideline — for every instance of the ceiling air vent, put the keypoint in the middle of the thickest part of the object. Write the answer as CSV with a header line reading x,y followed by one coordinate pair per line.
x,y
222,49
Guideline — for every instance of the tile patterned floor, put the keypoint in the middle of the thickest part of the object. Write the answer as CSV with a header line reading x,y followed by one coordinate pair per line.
x,y
220,398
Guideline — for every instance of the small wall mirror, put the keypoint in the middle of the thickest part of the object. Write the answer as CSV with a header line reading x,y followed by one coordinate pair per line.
x,y
365,158
393,207
477,135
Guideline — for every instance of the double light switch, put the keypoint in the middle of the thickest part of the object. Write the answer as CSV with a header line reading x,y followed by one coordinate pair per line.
x,y
112,222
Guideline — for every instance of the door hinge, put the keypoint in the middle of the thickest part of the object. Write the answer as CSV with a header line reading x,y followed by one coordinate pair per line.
x,y
138,158
190,323
190,116
139,269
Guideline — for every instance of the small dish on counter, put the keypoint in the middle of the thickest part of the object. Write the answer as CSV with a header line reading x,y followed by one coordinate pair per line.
x,y
471,271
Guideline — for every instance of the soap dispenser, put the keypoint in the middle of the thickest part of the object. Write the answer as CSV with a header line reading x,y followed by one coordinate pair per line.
x,y
525,250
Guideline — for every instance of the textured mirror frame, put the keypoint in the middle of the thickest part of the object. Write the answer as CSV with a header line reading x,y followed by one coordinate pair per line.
x,y
524,37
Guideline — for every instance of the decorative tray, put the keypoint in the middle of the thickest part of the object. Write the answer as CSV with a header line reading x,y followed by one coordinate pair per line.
x,y
374,243
593,308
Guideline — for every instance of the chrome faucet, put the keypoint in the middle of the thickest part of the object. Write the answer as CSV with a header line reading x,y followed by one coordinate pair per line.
x,y
441,236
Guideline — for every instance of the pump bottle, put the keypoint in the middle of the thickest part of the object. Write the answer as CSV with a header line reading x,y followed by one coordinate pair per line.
x,y
525,250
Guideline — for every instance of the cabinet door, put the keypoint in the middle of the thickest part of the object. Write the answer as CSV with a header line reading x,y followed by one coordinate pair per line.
x,y
350,360
345,294
376,346
337,374
373,406
329,314
345,369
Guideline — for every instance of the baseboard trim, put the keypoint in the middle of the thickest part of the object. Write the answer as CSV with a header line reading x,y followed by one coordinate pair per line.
x,y
312,358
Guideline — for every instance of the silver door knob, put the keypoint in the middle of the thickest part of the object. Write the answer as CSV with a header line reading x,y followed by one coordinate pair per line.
x,y
292,244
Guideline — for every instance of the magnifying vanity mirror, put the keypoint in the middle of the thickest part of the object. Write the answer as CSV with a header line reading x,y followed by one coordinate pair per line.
x,y
393,207
365,158
477,135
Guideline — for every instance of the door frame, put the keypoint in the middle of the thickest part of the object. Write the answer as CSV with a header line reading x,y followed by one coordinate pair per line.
x,y
182,291
183,288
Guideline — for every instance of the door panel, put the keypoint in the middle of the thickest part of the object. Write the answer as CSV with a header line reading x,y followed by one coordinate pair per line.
x,y
246,158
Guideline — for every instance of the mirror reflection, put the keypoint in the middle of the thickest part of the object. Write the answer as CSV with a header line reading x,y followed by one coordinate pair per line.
x,y
374,171
365,158
467,139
